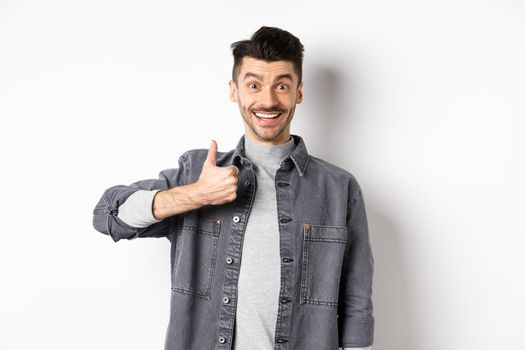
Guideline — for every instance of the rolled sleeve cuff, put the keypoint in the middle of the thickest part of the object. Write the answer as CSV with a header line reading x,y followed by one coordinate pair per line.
x,y
137,210
356,332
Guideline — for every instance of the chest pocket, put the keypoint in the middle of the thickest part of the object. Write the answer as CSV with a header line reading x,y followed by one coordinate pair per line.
x,y
323,252
196,256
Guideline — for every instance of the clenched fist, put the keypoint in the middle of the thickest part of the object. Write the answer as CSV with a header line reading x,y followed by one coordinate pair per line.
x,y
217,185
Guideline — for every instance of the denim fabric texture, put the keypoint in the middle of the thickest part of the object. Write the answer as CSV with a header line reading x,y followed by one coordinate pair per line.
x,y
326,258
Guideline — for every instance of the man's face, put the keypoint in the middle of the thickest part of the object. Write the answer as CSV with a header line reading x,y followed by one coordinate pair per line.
x,y
266,93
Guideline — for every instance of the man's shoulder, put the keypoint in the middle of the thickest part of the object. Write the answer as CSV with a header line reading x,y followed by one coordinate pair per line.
x,y
320,165
337,175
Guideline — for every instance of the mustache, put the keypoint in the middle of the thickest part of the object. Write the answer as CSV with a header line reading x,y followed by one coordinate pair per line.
x,y
268,110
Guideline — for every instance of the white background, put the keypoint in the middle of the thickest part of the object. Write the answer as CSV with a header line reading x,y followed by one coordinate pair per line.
x,y
423,101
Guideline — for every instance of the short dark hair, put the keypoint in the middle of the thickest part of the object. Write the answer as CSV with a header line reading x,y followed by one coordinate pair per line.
x,y
269,44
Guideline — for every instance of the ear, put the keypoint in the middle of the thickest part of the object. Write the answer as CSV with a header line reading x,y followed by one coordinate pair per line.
x,y
233,91
299,93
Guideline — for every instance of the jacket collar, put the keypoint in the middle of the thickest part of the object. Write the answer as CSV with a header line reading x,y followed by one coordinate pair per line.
x,y
299,155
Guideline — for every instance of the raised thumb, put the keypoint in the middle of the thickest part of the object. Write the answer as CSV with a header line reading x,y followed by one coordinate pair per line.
x,y
212,153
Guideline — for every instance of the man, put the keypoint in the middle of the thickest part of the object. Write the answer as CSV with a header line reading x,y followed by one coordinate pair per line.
x,y
269,245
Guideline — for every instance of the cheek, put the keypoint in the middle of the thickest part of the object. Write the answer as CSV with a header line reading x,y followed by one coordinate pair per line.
x,y
288,101
245,100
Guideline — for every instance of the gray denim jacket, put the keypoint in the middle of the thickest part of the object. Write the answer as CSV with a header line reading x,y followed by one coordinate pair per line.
x,y
326,258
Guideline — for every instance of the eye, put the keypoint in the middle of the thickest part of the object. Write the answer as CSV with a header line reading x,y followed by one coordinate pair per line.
x,y
282,86
252,86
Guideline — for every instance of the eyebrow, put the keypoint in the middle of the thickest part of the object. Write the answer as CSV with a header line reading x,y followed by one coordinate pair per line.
x,y
279,77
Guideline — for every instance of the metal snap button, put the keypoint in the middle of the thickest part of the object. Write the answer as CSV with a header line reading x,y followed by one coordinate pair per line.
x,y
229,260
222,340
225,300
236,219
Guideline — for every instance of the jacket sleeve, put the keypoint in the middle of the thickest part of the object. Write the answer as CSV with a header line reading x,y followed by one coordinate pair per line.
x,y
355,309
105,214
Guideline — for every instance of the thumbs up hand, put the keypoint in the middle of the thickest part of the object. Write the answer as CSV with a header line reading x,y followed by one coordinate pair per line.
x,y
217,185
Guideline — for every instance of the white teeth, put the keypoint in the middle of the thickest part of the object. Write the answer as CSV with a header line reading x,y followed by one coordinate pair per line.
x,y
268,116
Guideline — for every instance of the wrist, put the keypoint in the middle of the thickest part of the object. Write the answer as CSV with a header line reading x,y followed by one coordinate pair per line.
x,y
195,195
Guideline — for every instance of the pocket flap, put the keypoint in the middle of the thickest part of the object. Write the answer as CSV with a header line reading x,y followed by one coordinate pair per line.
x,y
201,225
325,233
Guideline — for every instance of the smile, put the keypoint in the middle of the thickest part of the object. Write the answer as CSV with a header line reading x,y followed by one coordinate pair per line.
x,y
267,115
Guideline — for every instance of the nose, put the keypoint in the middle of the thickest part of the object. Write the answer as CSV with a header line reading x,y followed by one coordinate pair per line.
x,y
267,98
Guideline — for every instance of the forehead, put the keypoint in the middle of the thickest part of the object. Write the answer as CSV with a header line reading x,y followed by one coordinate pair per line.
x,y
267,70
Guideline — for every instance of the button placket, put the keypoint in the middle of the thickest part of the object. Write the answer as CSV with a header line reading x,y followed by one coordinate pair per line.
x,y
233,254
284,188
